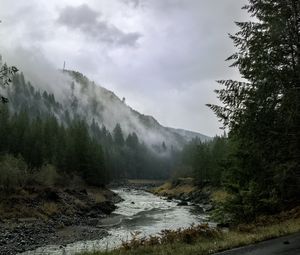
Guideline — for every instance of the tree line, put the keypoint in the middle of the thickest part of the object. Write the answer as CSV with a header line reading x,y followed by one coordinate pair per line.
x,y
205,161
37,130
43,141
259,161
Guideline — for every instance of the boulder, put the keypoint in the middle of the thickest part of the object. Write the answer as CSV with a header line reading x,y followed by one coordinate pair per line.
x,y
182,203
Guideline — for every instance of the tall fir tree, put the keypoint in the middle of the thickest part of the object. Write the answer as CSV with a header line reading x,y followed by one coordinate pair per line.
x,y
118,135
263,113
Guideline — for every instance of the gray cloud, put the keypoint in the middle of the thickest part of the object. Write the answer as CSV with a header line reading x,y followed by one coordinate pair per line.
x,y
170,75
134,3
86,20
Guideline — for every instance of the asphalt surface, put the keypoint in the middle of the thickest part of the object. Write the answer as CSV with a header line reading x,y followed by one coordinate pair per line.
x,y
287,245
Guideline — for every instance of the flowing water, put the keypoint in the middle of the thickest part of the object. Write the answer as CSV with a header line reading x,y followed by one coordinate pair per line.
x,y
140,212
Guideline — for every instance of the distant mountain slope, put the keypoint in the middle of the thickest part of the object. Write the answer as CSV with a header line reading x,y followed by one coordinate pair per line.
x,y
78,96
189,135
111,110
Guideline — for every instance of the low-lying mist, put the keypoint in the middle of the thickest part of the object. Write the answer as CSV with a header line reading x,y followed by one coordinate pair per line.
x,y
87,99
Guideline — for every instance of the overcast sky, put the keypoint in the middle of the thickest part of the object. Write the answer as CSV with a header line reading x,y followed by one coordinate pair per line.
x,y
163,56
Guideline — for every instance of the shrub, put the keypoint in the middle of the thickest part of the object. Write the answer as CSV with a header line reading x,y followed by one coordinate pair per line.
x,y
74,182
47,176
188,236
50,208
13,172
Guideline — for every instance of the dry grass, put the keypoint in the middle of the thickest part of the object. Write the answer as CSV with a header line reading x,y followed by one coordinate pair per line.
x,y
185,189
145,181
16,210
50,208
219,196
188,235
98,197
78,203
34,201
167,189
163,188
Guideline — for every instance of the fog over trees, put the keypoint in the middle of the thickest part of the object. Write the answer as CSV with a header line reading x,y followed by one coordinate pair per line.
x,y
81,137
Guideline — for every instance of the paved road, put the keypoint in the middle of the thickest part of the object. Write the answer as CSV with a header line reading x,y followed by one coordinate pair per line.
x,y
288,245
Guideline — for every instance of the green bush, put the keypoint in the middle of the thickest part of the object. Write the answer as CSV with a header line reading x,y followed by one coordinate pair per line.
x,y
47,176
13,172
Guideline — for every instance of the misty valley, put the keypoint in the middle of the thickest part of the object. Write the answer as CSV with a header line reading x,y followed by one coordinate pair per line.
x,y
60,152
133,147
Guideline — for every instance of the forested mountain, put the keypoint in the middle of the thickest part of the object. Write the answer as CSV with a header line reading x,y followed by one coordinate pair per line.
x,y
263,114
190,135
86,130
105,107
82,98
258,162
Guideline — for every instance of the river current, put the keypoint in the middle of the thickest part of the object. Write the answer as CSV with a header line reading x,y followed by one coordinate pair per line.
x,y
140,212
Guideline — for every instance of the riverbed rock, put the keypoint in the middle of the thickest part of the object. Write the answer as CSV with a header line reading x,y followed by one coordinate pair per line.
x,y
208,207
223,225
40,216
182,203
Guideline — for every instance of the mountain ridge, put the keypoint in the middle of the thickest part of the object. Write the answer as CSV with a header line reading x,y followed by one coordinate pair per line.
x,y
180,136
77,96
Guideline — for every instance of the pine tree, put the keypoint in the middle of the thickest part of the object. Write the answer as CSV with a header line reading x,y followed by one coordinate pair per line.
x,y
263,113
118,135
4,128
6,74
132,141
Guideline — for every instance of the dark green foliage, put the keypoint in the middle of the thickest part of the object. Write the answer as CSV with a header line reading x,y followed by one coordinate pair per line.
x,y
36,126
206,159
263,114
6,74
13,172
132,141
129,158
118,135
43,141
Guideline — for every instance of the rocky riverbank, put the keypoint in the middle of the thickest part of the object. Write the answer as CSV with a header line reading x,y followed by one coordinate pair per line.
x,y
35,216
138,184
187,192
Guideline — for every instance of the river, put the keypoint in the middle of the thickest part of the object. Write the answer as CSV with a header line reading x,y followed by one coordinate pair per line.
x,y
140,212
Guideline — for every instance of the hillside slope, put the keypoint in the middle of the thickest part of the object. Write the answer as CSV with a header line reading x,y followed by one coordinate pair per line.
x,y
105,107
78,96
